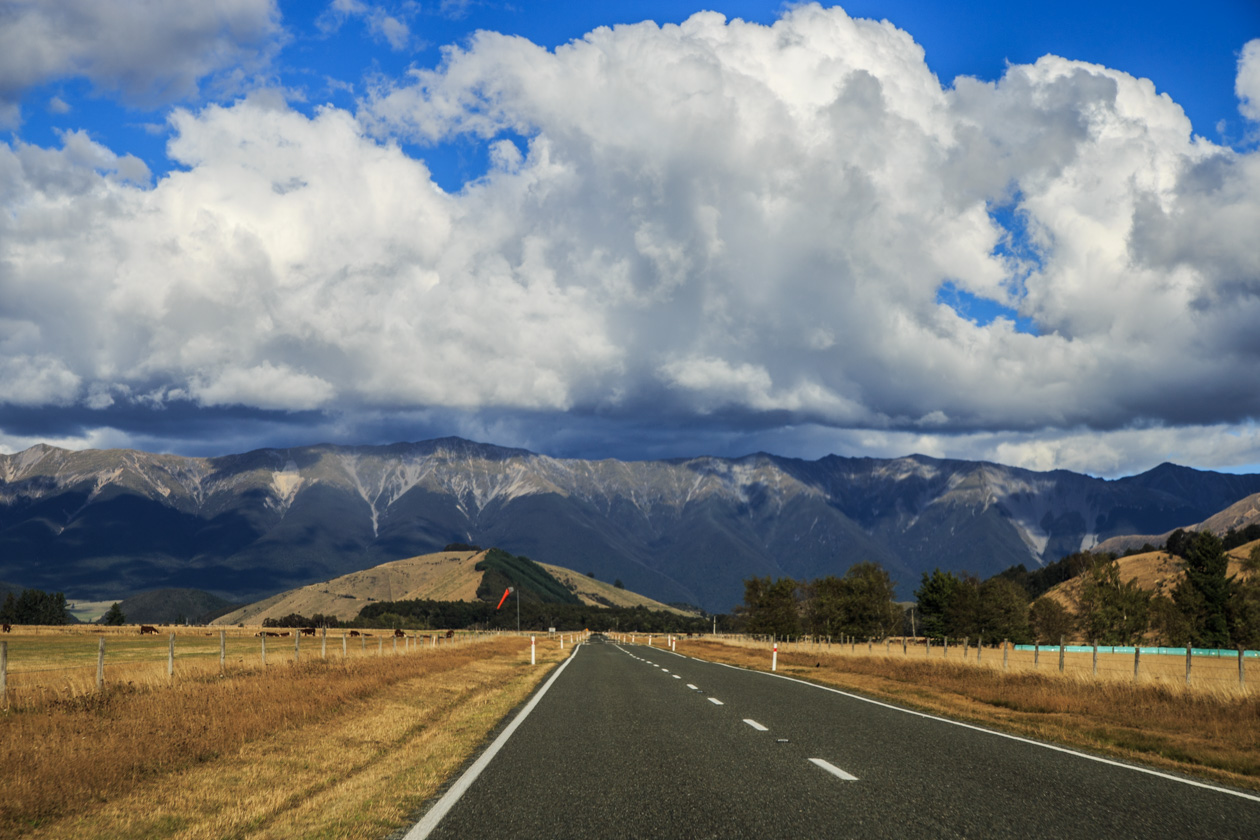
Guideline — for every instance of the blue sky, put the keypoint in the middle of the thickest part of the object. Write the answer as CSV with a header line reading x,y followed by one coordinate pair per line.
x,y
1018,232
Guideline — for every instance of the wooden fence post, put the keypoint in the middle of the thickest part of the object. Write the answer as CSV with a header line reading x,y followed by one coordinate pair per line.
x,y
170,659
979,647
100,665
904,652
1036,653
4,673
1137,660
1062,645
263,637
297,645
1242,679
965,640
1095,657
1005,651
927,646
222,651
323,644
343,644
1188,654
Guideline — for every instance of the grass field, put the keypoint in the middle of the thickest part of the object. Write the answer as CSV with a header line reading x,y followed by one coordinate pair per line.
x,y
1210,730
352,746
336,747
46,662
1211,674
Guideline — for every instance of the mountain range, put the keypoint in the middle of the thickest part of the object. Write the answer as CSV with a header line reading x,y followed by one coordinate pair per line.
x,y
105,524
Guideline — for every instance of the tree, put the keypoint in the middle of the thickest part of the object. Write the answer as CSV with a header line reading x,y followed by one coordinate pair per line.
x,y
1244,614
1112,612
35,606
771,607
1168,622
824,611
934,596
617,584
962,613
1049,620
114,616
1004,611
866,601
1177,543
1203,595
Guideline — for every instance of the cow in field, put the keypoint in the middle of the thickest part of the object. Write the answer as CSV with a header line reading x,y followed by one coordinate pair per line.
x,y
354,632
146,629
308,631
400,634
8,628
450,634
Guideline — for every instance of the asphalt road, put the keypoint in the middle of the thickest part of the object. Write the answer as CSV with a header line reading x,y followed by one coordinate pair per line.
x,y
630,741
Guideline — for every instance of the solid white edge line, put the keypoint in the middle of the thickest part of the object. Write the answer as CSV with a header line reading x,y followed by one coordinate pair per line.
x,y
755,725
1136,768
716,701
435,814
833,769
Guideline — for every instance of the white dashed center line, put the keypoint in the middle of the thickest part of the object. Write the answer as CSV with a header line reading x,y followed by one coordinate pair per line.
x,y
692,687
834,770
755,725
675,676
716,702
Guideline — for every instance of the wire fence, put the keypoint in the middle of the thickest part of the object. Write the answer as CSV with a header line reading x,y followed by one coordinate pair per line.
x,y
1197,668
42,663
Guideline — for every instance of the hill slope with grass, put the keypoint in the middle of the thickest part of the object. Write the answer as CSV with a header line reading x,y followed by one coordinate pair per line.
x,y
442,576
1157,572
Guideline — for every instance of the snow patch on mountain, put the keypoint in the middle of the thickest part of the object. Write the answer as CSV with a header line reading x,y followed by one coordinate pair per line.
x,y
285,485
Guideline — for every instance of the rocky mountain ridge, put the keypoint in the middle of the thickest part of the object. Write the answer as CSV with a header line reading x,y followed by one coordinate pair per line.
x,y
106,523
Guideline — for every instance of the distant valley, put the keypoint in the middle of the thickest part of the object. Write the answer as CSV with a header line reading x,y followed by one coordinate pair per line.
x,y
106,524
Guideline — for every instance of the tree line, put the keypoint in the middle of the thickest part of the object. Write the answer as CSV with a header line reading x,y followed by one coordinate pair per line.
x,y
34,606
858,604
1206,608
535,616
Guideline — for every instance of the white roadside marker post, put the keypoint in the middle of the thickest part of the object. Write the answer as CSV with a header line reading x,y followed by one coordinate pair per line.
x,y
531,651
774,658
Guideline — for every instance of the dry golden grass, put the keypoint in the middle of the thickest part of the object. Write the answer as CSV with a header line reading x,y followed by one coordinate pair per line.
x,y
1213,733
443,576
60,662
324,748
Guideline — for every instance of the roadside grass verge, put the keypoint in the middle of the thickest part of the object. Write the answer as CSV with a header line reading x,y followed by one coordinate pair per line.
x,y
1213,735
323,748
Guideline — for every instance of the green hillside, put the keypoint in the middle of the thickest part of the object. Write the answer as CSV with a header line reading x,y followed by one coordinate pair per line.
x,y
536,584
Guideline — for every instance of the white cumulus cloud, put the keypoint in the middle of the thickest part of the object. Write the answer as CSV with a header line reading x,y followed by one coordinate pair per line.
x,y
713,217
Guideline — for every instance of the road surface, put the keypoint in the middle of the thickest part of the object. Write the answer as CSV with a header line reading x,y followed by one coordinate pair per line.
x,y
631,741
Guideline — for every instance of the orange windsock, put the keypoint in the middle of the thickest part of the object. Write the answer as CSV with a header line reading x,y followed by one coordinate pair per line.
x,y
506,592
